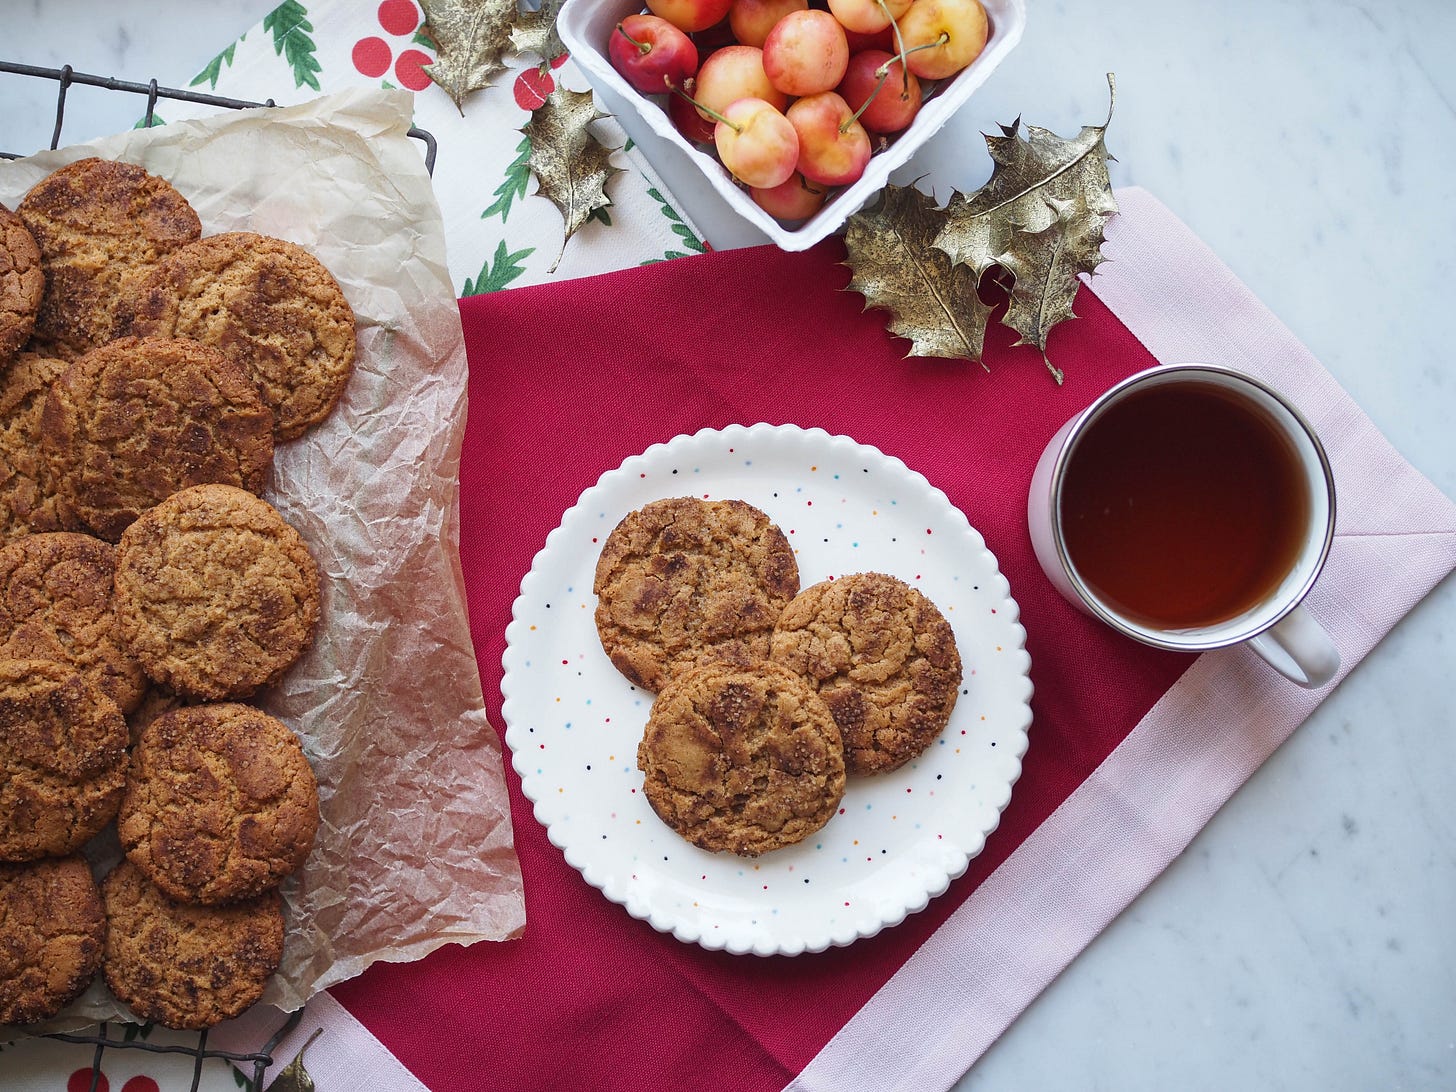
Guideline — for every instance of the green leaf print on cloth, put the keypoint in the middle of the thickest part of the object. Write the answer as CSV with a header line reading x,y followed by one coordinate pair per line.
x,y
290,27
506,269
513,188
215,66
680,229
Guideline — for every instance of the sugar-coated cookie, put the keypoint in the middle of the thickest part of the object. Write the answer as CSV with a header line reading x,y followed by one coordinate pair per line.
x,y
682,582
743,760
220,803
186,966
882,657
62,760
53,929
216,595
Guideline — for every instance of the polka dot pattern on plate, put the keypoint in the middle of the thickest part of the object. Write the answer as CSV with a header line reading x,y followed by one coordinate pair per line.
x,y
573,722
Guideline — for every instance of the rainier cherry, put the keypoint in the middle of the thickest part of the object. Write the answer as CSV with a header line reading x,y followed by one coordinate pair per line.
x,y
690,14
893,95
805,53
731,73
796,199
751,20
833,146
756,143
945,35
652,54
867,16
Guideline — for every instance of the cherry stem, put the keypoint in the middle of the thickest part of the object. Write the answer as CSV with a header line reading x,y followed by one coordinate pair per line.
x,y
642,47
899,42
884,73
705,109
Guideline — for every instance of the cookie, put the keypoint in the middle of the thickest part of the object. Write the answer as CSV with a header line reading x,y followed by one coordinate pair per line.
x,y
743,760
220,803
27,500
186,966
269,304
132,422
22,283
54,932
55,604
216,595
156,700
101,226
62,760
682,582
883,658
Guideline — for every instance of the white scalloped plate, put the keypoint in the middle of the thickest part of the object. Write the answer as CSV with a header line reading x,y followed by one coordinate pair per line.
x,y
573,722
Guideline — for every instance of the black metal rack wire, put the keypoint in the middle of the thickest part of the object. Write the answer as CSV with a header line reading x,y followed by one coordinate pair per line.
x,y
259,1060
102,1040
67,76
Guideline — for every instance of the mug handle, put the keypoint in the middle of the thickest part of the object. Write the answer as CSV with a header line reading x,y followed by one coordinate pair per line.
x,y
1298,648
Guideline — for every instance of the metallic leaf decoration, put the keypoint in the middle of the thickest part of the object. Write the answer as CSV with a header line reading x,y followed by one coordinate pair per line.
x,y
472,37
570,164
293,1077
535,32
931,301
1040,218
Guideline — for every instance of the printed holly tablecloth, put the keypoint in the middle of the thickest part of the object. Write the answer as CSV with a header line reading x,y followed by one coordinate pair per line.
x,y
500,233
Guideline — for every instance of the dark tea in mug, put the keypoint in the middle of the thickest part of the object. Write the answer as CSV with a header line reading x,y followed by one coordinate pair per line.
x,y
1184,505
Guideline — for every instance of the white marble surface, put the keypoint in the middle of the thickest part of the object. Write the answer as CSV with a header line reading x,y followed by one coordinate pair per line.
x,y
1307,939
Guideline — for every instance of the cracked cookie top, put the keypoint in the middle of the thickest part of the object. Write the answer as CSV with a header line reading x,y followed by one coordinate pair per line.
x,y
682,582
882,657
743,760
221,803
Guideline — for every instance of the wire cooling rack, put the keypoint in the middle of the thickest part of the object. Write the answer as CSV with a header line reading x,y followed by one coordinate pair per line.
x,y
102,1039
259,1061
66,77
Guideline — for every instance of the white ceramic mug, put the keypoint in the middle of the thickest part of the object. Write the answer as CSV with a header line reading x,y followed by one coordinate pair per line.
x,y
1275,626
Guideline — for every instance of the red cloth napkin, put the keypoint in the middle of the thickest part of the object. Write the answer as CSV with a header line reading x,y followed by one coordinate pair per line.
x,y
566,381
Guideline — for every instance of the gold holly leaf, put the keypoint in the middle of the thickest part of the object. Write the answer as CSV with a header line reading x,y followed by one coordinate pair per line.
x,y
570,164
293,1077
471,38
1040,217
535,32
931,301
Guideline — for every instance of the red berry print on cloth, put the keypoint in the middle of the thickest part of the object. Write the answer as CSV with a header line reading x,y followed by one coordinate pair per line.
x,y
372,56
140,1084
80,1081
399,16
532,88
409,70
534,85
375,56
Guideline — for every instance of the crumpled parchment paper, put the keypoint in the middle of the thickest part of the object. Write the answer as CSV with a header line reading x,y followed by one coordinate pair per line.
x,y
415,847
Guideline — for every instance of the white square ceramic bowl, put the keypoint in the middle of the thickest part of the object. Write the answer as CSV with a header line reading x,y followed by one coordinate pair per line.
x,y
586,26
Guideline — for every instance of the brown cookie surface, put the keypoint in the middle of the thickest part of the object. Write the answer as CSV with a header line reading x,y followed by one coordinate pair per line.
x,y
270,305
743,760
883,658
27,500
186,966
56,604
682,582
101,226
22,283
132,422
54,931
215,594
62,760
221,803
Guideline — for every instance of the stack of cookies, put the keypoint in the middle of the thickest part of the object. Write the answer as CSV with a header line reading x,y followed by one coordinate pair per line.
x,y
148,591
768,697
